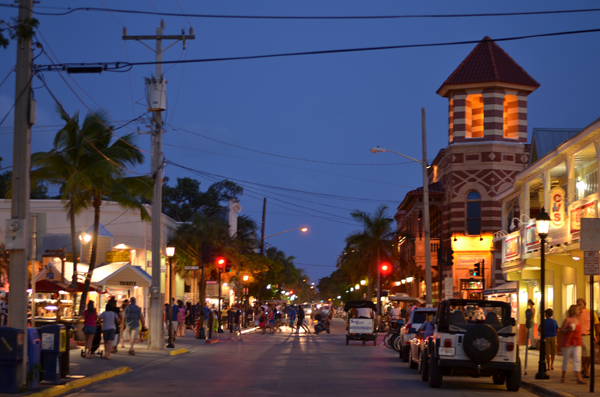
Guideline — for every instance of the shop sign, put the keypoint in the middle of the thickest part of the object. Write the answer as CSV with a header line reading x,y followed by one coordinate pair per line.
x,y
512,246
591,263
585,211
50,275
532,238
117,256
557,207
127,283
469,260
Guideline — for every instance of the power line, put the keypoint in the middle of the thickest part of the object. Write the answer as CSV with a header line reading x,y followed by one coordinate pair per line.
x,y
116,66
70,10
278,155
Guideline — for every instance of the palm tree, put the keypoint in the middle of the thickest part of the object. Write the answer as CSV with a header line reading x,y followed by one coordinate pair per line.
x,y
106,173
65,166
374,242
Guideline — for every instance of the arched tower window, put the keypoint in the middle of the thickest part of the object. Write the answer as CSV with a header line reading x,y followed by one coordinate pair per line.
x,y
451,121
474,116
473,213
511,117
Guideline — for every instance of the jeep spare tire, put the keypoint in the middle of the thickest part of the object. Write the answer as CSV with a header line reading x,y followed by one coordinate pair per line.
x,y
481,343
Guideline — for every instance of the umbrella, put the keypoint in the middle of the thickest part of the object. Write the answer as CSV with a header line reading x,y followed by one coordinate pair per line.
x,y
47,286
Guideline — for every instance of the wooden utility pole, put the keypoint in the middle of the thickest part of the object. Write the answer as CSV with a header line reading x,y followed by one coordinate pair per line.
x,y
156,341
17,228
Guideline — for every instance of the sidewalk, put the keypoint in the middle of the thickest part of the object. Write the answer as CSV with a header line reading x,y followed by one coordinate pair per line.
x,y
121,362
552,386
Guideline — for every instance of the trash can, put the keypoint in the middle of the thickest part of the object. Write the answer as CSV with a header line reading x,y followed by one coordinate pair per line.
x,y
11,355
34,352
54,344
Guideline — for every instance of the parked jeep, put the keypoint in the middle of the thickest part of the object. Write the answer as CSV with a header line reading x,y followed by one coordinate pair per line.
x,y
473,338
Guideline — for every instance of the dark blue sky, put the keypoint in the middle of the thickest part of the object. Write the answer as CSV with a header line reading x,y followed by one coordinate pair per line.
x,y
275,125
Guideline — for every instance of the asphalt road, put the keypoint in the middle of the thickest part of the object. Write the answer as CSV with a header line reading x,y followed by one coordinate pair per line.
x,y
287,364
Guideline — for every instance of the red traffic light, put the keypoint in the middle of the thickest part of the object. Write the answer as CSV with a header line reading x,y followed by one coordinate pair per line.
x,y
220,261
385,268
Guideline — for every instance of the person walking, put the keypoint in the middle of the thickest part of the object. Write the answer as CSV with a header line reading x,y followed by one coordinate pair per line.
x,y
112,305
571,343
190,316
90,318
133,318
529,323
585,333
237,329
292,318
109,328
551,327
262,320
123,325
301,321
215,324
174,317
182,314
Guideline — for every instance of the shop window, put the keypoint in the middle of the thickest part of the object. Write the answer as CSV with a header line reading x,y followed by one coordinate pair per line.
x,y
474,116
511,117
570,296
187,288
473,213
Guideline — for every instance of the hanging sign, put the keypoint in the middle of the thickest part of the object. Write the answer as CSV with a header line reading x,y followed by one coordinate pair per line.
x,y
578,213
591,263
557,207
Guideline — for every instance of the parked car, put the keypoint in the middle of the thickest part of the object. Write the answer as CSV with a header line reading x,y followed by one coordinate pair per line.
x,y
483,343
418,340
414,319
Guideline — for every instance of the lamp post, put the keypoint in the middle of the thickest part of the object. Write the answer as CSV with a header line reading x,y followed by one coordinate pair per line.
x,y
542,224
245,300
262,246
170,253
424,166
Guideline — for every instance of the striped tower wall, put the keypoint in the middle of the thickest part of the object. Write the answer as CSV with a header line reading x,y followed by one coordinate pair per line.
x,y
500,106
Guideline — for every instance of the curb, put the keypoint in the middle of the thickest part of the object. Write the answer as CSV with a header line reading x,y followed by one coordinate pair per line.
x,y
179,351
543,390
62,389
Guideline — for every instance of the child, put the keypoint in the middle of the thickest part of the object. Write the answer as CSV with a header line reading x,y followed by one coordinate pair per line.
x,y
551,327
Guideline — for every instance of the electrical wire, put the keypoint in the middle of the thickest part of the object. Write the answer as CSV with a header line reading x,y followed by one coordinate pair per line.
x,y
115,66
280,155
349,17
7,76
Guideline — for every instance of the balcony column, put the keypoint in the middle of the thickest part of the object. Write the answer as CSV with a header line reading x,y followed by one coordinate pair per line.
x,y
526,209
570,163
547,182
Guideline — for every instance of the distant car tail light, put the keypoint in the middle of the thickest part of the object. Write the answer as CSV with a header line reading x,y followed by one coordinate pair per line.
x,y
447,342
510,346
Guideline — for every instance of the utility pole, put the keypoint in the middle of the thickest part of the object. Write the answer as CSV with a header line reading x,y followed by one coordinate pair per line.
x,y
428,281
158,83
262,246
17,228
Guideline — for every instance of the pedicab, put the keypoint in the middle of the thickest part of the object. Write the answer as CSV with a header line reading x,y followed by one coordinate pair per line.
x,y
360,328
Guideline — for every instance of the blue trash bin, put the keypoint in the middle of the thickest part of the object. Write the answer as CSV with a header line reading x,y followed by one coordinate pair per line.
x,y
11,355
34,353
54,344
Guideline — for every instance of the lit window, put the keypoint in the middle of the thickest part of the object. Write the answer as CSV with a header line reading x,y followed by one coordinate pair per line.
x,y
474,116
511,117
473,213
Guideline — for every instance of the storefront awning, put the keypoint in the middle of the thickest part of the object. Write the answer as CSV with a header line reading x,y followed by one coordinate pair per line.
x,y
121,273
502,289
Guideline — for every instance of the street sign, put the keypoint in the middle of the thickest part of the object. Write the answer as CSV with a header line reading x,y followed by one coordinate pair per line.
x,y
590,234
192,267
591,263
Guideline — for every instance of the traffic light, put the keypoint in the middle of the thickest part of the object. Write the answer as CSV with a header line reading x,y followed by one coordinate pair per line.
x,y
228,266
477,272
450,257
220,262
385,268
208,253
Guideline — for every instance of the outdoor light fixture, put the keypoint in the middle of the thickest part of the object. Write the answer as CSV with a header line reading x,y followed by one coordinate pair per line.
x,y
403,281
542,224
339,297
170,250
85,238
409,279
580,184
397,283
363,282
304,230
269,286
351,289
245,278
576,258
357,287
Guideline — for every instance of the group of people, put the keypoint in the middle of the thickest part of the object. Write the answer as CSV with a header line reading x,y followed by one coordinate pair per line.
x,y
115,322
575,338
182,317
270,317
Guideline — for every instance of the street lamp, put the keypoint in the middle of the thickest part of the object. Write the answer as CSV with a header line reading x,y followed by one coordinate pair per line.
x,y
425,205
542,224
303,229
363,282
170,253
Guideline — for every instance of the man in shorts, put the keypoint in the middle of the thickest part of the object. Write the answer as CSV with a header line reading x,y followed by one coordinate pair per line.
x,y
585,332
133,317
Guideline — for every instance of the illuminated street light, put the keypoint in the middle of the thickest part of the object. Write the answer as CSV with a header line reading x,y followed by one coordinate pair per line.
x,y
363,282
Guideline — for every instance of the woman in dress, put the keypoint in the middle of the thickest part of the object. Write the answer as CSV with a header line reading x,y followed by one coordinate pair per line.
x,y
90,318
181,318
571,343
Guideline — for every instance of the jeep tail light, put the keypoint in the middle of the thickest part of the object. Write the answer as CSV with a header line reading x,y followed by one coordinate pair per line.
x,y
447,342
510,346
